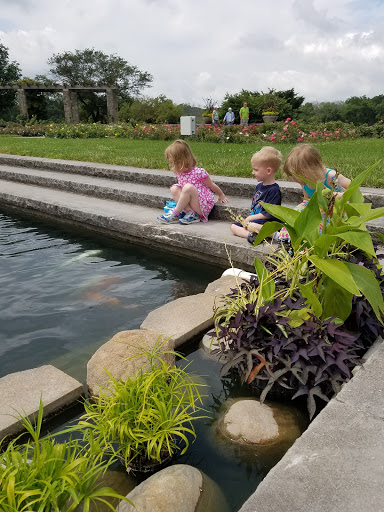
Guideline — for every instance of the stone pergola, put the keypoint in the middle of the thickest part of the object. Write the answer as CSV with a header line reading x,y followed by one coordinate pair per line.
x,y
71,109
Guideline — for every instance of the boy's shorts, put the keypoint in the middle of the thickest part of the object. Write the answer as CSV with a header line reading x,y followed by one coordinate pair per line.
x,y
259,221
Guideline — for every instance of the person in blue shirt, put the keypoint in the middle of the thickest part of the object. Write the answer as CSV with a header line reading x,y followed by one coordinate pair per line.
x,y
229,117
265,164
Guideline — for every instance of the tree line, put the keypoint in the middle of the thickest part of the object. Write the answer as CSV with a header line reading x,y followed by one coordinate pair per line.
x,y
91,67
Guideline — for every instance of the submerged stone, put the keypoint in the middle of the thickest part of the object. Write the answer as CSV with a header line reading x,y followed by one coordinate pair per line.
x,y
250,422
178,488
20,395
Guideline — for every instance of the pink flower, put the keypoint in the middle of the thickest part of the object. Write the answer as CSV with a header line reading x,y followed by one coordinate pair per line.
x,y
285,128
135,131
287,120
294,124
299,139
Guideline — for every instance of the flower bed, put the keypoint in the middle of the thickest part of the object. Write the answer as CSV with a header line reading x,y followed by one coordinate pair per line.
x,y
280,132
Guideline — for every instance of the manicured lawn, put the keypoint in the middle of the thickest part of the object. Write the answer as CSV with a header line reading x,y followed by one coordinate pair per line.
x,y
350,156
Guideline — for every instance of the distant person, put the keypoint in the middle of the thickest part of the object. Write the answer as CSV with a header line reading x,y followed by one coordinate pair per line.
x,y
265,164
244,114
229,117
195,191
215,115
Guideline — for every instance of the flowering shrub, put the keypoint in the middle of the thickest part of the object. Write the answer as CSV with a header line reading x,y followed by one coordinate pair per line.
x,y
280,132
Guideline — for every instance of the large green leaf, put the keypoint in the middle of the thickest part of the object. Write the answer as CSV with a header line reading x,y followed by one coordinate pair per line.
x,y
267,286
357,197
287,215
338,271
369,286
323,243
355,184
360,239
337,301
306,291
360,208
309,219
374,214
267,230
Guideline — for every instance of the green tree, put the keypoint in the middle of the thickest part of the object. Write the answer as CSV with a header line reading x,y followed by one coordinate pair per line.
x,y
151,110
93,68
360,110
330,111
9,72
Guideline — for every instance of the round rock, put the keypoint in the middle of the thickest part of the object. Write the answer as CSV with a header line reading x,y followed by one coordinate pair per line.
x,y
178,488
114,356
249,421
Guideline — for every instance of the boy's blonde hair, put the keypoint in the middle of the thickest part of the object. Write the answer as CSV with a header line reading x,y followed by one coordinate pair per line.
x,y
304,160
269,156
180,156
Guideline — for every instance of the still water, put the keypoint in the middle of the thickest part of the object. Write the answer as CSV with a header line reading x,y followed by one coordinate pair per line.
x,y
64,293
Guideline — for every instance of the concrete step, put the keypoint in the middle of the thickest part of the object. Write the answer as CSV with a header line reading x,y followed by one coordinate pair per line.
x,y
152,196
148,195
211,242
242,187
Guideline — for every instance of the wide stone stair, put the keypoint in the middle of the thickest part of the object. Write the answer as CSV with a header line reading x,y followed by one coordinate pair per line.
x,y
124,202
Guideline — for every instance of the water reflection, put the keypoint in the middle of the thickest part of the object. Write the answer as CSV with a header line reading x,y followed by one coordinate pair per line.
x,y
64,293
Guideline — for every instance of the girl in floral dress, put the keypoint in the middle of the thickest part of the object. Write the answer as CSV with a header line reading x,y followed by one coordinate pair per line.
x,y
194,191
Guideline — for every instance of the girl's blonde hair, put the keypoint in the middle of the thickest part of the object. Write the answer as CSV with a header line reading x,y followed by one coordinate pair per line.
x,y
180,156
305,161
269,156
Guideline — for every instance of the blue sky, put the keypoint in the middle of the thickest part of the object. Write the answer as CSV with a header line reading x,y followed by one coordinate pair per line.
x,y
326,50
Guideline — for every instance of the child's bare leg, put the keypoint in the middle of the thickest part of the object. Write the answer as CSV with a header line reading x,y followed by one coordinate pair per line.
x,y
254,227
176,191
239,231
189,199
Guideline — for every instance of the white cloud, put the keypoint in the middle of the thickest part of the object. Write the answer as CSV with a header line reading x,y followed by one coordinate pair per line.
x,y
325,50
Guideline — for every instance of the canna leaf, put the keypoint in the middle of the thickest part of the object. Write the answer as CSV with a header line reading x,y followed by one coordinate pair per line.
x,y
338,271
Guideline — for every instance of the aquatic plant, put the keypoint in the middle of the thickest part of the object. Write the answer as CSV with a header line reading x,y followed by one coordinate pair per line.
x,y
147,418
42,475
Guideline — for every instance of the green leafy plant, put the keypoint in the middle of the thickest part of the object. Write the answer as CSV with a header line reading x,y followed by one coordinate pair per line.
x,y
331,280
147,418
298,325
270,113
42,475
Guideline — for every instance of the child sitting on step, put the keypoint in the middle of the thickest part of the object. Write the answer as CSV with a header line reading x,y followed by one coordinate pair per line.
x,y
265,164
195,191
304,160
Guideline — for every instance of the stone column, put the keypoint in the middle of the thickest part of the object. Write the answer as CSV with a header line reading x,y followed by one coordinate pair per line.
x,y
22,99
112,107
67,106
71,110
75,107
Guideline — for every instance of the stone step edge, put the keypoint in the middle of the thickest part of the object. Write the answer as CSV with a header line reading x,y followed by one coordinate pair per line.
x,y
219,211
152,200
230,185
153,235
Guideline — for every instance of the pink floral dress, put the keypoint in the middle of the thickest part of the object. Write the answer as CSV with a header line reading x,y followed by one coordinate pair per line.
x,y
196,176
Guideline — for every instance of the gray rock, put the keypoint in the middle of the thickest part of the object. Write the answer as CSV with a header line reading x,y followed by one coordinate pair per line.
x,y
250,422
114,357
187,317
20,394
223,285
178,488
183,318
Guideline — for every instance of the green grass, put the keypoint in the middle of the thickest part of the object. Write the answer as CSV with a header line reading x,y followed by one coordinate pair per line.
x,y
350,156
